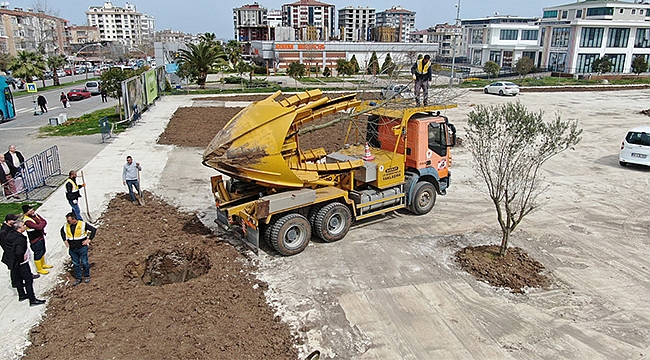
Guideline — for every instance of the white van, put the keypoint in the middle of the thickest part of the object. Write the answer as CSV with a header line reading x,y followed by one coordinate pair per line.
x,y
94,87
635,148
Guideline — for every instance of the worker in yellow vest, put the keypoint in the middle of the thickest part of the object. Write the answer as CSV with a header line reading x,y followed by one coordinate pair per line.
x,y
35,225
421,71
77,235
72,193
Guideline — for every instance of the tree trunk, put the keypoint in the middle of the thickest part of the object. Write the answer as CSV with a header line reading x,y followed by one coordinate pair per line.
x,y
504,242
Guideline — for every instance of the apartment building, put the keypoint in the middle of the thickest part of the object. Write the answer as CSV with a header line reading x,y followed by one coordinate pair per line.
x,y
450,39
574,35
402,20
83,34
118,24
32,31
147,28
502,39
312,20
356,23
251,22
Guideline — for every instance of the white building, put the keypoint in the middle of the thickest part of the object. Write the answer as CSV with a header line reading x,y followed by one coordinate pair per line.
x,y
574,35
274,18
117,24
502,39
449,37
313,20
356,23
148,28
400,19
250,22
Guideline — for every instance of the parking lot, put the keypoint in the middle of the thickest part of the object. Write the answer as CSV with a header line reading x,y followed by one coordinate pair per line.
x,y
390,289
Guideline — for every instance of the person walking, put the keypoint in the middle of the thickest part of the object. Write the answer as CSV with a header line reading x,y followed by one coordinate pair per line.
x,y
35,225
7,173
104,94
77,235
421,71
130,176
64,100
17,260
72,193
42,103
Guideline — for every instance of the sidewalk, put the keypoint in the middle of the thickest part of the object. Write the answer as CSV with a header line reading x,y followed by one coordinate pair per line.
x,y
103,178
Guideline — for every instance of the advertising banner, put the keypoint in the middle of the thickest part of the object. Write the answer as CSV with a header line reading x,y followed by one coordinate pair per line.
x,y
151,86
133,93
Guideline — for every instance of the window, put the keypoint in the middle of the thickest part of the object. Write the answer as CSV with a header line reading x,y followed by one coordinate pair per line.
x,y
618,37
633,11
618,60
557,61
642,38
507,58
600,11
585,62
529,34
528,54
509,35
477,36
550,14
592,37
620,11
560,37
437,139
541,39
565,14
578,14
641,12
495,55
638,138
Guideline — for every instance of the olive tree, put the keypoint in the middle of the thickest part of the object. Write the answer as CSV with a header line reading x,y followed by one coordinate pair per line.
x,y
509,145
524,66
602,65
639,65
492,69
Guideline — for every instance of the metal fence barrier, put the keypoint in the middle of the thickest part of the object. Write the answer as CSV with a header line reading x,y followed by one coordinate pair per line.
x,y
37,169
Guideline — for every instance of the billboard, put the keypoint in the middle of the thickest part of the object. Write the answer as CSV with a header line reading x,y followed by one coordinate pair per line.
x,y
150,85
133,92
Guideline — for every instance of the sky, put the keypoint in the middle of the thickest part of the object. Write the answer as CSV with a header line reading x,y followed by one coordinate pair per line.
x,y
215,16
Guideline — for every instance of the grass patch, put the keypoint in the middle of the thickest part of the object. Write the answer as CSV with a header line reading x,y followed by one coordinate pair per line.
x,y
87,124
554,81
16,208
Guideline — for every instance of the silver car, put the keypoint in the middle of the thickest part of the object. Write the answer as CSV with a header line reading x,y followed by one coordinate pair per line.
x,y
502,88
635,148
94,87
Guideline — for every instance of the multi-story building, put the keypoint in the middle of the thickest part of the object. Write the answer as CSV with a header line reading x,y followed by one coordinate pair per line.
x,y
450,38
83,34
356,23
576,34
171,36
312,20
147,28
502,39
251,22
399,18
384,34
117,24
274,18
32,31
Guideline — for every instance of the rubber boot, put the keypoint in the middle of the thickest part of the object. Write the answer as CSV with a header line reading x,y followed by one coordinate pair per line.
x,y
39,267
45,266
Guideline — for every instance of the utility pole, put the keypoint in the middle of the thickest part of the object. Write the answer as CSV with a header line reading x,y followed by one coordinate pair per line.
x,y
453,52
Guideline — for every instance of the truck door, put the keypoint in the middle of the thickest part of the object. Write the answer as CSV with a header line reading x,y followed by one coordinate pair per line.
x,y
437,138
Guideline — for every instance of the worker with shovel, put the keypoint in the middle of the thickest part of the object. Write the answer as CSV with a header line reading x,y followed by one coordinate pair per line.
x,y
130,178
72,193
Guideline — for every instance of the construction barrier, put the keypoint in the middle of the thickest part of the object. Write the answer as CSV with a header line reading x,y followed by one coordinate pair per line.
x,y
37,169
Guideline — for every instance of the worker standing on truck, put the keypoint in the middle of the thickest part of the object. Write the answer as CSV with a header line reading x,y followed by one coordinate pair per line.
x,y
421,71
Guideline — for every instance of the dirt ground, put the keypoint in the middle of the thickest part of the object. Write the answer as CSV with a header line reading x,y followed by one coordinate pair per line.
x,y
196,126
168,289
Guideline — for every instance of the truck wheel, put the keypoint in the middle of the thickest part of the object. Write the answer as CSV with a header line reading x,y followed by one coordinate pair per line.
x,y
424,197
311,217
333,222
290,234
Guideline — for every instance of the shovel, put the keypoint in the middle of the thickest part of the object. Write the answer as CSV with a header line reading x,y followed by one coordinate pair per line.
x,y
140,192
90,219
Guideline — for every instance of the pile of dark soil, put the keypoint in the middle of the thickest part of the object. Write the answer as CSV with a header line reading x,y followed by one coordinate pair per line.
x,y
366,95
163,287
196,126
516,271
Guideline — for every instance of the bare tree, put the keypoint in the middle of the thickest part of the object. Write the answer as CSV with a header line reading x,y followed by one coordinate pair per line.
x,y
509,145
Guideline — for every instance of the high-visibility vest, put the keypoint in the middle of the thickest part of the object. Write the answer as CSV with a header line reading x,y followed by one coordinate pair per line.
x,y
25,218
75,187
79,231
423,69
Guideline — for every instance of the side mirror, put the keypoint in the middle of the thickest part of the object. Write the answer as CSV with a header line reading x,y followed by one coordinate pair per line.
x,y
451,131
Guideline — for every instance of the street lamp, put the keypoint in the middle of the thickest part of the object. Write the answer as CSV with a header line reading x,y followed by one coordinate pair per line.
x,y
77,54
453,52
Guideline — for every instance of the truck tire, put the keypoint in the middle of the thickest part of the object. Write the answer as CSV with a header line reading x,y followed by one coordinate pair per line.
x,y
290,234
424,197
332,222
311,217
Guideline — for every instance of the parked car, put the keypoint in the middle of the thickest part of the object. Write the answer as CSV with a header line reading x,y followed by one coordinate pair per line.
x,y
47,75
78,94
61,73
502,88
94,87
635,148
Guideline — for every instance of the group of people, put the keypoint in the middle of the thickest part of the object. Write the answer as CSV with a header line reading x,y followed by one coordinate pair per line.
x,y
10,172
42,101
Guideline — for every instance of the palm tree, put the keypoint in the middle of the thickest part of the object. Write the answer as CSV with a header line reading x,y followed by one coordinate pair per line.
x,y
27,65
209,38
56,62
233,49
200,57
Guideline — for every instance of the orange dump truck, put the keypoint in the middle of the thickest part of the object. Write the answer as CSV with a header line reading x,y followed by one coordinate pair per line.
x,y
272,188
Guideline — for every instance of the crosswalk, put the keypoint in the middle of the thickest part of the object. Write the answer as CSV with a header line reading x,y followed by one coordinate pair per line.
x,y
31,109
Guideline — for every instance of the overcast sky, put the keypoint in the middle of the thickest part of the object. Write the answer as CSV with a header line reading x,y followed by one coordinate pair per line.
x,y
199,16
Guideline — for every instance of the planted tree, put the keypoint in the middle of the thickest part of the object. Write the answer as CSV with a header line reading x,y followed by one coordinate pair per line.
x,y
492,69
509,145
27,65
233,51
344,67
296,70
373,64
639,65
388,67
199,57
524,66
112,83
327,72
602,65
242,68
355,64
56,62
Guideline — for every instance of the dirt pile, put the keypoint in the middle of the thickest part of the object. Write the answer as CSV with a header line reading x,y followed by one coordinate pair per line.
x,y
516,271
203,304
196,126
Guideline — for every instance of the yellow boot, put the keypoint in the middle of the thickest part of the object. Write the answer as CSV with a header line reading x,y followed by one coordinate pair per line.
x,y
45,266
39,267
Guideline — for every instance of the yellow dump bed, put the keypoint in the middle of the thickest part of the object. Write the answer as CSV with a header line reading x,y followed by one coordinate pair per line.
x,y
260,144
